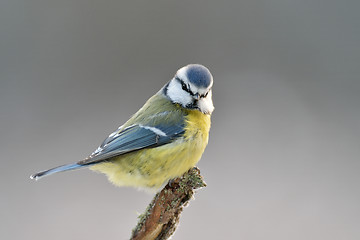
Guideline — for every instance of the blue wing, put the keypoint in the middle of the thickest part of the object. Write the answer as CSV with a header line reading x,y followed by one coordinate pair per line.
x,y
132,138
123,141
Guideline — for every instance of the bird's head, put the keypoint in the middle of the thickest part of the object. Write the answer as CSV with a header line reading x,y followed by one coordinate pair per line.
x,y
191,87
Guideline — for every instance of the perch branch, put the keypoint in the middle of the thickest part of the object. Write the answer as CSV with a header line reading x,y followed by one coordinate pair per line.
x,y
160,219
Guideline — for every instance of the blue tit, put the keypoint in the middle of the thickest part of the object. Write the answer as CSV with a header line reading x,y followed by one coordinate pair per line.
x,y
163,140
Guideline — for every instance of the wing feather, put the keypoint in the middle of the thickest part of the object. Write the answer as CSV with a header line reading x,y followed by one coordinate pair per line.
x,y
132,138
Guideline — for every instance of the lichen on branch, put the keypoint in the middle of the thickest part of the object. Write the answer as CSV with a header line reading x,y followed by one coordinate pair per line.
x,y
161,217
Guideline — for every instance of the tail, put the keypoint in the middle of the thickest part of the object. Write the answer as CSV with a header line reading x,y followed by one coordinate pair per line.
x,y
62,168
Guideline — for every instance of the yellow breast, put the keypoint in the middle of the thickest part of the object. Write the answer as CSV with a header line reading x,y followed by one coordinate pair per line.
x,y
153,167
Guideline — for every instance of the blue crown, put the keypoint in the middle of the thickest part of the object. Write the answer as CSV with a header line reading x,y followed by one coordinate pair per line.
x,y
199,75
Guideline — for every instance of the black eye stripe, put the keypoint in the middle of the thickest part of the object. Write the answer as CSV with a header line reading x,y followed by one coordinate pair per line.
x,y
184,86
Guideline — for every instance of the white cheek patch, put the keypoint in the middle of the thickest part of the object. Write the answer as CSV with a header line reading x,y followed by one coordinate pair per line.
x,y
177,94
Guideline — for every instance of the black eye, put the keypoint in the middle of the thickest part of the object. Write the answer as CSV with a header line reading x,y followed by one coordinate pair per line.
x,y
184,87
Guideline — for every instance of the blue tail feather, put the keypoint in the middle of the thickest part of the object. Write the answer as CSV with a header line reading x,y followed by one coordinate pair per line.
x,y
62,168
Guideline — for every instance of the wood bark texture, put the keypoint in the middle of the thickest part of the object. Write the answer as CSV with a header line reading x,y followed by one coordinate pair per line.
x,y
160,219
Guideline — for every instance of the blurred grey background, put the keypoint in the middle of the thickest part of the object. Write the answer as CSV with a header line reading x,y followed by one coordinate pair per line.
x,y
283,158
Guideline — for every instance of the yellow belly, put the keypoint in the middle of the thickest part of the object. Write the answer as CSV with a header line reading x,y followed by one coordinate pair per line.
x,y
153,167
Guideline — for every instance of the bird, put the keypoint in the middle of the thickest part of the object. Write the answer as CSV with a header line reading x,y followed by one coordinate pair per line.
x,y
162,140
